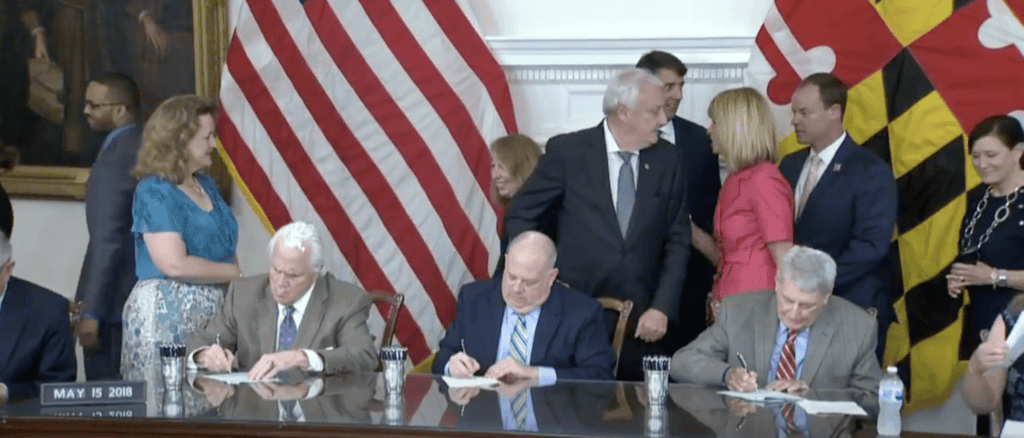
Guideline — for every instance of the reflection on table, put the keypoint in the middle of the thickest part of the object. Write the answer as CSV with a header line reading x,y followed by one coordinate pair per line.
x,y
354,404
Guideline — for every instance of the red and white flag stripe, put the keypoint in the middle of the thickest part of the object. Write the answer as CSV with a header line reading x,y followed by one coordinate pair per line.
x,y
371,120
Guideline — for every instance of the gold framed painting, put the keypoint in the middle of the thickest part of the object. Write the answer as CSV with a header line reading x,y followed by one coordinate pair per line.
x,y
168,46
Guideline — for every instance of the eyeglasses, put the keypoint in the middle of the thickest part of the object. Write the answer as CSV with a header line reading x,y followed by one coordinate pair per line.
x,y
94,105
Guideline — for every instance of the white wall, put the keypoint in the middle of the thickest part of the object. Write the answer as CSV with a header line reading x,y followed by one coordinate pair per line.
x,y
619,18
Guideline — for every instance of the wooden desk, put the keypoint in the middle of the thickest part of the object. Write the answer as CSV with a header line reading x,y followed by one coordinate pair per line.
x,y
354,405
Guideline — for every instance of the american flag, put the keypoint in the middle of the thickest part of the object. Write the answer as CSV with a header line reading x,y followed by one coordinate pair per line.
x,y
371,119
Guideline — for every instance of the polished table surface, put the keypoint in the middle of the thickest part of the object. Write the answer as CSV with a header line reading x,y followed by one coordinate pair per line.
x,y
356,405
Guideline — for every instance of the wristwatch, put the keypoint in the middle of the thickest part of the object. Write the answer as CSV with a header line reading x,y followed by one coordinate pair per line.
x,y
1001,279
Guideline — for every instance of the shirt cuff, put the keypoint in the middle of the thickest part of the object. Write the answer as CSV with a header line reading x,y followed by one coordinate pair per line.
x,y
316,363
446,372
190,362
315,389
546,376
142,15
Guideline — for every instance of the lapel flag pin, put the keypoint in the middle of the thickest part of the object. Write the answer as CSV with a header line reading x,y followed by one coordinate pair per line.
x,y
837,167
647,166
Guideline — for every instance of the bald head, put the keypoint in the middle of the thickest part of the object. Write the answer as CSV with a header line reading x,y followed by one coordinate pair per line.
x,y
529,271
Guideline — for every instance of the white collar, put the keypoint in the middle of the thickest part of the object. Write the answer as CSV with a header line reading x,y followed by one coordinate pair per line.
x,y
829,152
611,146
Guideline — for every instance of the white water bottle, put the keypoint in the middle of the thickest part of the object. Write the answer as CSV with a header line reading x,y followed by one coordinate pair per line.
x,y
890,400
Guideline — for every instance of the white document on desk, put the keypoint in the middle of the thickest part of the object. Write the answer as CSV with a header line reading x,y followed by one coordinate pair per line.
x,y
815,407
762,395
234,378
1012,429
472,382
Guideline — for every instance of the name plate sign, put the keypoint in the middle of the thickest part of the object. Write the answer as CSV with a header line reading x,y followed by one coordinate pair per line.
x,y
132,410
92,393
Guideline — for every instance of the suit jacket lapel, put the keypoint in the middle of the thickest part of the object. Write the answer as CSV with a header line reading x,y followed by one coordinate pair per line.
x,y
13,312
793,167
596,155
830,174
550,317
490,322
821,338
650,169
313,316
267,323
767,327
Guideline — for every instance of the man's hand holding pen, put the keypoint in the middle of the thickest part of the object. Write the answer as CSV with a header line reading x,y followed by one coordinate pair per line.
x,y
215,358
461,365
741,379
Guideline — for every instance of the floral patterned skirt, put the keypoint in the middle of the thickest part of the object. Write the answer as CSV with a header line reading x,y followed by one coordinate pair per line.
x,y
158,311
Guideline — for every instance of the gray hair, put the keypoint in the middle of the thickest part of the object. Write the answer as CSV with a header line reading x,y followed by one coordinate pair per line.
x,y
624,89
809,269
300,235
549,245
6,252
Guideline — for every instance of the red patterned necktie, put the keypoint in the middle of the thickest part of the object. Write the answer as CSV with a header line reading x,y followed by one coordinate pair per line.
x,y
787,363
787,371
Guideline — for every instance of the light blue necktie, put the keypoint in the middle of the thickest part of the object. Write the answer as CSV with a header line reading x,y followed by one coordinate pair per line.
x,y
519,408
627,192
288,330
517,349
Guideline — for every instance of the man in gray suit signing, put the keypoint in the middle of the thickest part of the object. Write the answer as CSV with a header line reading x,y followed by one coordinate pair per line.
x,y
791,339
297,316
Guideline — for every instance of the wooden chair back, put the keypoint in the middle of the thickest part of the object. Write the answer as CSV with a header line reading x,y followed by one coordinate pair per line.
x,y
624,307
395,302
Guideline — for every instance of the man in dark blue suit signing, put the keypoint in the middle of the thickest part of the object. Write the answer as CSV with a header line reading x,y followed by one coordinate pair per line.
x,y
35,335
108,271
616,194
846,197
703,182
527,327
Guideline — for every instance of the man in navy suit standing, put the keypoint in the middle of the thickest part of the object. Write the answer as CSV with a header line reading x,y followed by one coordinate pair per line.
x,y
616,195
108,271
35,334
846,197
703,182
527,328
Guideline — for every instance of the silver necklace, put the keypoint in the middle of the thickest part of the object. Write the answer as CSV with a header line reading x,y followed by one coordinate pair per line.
x,y
1002,213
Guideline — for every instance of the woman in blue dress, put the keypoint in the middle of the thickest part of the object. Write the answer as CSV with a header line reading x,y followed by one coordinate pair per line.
x,y
990,266
185,236
993,232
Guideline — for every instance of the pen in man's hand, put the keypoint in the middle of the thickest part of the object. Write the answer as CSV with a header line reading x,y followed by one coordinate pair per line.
x,y
463,345
744,363
218,341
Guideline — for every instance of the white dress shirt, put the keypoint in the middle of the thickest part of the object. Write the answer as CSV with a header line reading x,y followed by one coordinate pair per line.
x,y
615,163
668,132
316,363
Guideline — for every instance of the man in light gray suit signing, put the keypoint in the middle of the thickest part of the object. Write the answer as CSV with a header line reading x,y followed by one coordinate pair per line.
x,y
297,316
791,339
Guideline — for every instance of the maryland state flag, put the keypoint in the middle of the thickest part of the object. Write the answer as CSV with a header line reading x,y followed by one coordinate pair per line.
x,y
922,73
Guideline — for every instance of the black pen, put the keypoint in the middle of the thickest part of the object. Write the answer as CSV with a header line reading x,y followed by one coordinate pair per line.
x,y
744,363
463,345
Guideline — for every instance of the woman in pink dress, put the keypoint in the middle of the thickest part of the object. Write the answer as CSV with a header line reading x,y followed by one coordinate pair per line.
x,y
754,215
